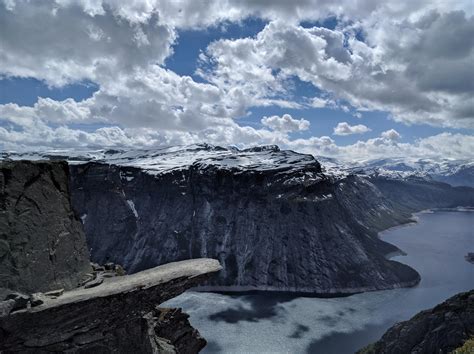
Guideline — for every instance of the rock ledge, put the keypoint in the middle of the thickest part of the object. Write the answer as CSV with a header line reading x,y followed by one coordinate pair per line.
x,y
121,309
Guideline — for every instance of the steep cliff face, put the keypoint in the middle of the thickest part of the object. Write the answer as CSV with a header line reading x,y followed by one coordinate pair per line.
x,y
441,329
42,243
273,218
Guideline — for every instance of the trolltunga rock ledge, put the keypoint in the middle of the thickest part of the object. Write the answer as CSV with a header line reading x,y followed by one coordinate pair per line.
x,y
120,313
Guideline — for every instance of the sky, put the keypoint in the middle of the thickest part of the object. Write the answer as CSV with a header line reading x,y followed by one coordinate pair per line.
x,y
347,79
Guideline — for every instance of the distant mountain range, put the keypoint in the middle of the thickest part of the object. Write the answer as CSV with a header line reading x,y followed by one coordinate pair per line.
x,y
454,172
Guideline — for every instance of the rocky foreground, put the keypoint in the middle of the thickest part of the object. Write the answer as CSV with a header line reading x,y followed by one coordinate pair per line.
x,y
52,299
441,329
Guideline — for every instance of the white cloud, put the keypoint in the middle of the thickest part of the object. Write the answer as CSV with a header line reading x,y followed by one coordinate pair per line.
x,y
65,41
318,102
285,123
401,67
344,128
415,62
446,145
391,134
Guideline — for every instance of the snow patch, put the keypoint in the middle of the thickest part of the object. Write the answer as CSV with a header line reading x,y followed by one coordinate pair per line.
x,y
131,204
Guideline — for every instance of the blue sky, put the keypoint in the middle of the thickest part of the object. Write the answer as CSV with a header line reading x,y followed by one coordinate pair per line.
x,y
241,67
184,61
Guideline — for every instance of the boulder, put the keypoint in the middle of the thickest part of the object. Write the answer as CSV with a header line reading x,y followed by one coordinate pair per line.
x,y
20,300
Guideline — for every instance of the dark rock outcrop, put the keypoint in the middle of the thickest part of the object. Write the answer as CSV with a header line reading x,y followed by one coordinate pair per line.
x,y
173,325
470,257
119,316
42,243
438,330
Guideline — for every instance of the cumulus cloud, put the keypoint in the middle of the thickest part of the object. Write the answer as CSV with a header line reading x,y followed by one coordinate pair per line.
x,y
410,59
446,145
417,69
67,41
319,102
344,128
285,123
391,134
260,67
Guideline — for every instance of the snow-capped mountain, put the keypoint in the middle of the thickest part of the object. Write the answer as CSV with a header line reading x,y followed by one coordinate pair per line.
x,y
454,172
163,160
270,157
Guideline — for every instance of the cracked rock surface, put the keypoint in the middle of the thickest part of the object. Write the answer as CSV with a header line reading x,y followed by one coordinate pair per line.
x,y
42,244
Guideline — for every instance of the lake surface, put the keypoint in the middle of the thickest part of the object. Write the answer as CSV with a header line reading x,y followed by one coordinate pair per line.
x,y
279,323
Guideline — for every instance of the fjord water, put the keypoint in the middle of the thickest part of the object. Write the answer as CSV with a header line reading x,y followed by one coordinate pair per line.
x,y
284,323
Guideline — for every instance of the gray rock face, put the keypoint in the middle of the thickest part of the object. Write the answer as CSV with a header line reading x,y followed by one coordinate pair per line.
x,y
42,244
173,325
438,330
273,219
118,316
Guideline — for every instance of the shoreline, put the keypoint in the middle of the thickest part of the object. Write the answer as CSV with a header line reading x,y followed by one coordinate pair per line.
x,y
336,293
302,292
310,292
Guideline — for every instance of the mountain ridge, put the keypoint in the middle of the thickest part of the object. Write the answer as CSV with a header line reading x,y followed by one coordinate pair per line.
x,y
275,219
159,160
